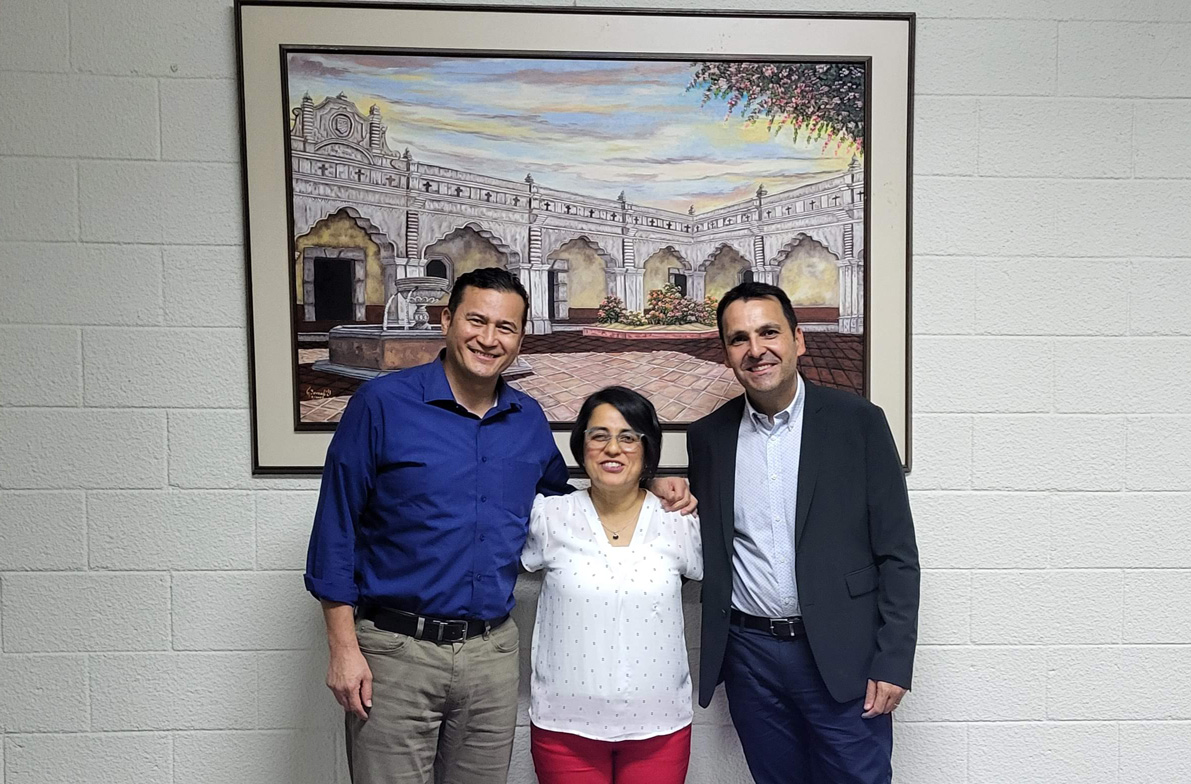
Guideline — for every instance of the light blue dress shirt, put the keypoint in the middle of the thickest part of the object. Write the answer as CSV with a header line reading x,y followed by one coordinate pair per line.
x,y
767,457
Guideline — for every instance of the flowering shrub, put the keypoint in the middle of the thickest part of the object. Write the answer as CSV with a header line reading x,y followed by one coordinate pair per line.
x,y
667,306
664,306
611,311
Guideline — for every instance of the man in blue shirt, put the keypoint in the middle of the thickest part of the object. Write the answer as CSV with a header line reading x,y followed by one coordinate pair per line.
x,y
424,507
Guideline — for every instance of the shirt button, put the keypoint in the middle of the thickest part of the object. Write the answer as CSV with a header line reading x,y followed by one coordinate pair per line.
x,y
483,498
773,477
483,460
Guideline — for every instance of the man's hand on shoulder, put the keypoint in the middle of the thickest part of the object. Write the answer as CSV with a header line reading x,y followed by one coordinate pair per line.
x,y
675,493
880,698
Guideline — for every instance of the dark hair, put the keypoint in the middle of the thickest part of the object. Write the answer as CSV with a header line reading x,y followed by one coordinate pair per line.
x,y
491,278
755,290
637,411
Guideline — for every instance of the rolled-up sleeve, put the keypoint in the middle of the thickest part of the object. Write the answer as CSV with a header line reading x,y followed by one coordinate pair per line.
x,y
349,475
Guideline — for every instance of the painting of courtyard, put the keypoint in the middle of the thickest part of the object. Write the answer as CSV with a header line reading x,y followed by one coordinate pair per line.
x,y
627,196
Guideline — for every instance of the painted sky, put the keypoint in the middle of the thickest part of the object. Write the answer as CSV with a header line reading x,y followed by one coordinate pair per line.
x,y
596,127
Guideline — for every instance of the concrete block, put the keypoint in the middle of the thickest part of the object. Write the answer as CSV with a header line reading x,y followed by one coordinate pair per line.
x,y
977,684
1046,607
177,203
91,284
941,453
1050,297
1119,683
929,753
1091,55
1099,530
43,531
1045,137
958,375
945,134
1158,295
42,366
283,524
1042,753
1127,209
278,757
43,693
1048,453
110,758
200,120
86,612
38,200
212,449
293,692
1003,216
1156,606
982,530
34,36
272,611
970,57
155,39
164,368
1155,376
119,116
204,286
173,691
1157,127
1155,753
77,448
171,530
944,296
944,615
1157,453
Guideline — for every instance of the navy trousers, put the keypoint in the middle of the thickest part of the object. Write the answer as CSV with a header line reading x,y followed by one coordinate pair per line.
x,y
792,730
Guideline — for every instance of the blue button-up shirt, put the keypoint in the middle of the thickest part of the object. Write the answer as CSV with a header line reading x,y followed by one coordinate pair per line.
x,y
768,453
424,506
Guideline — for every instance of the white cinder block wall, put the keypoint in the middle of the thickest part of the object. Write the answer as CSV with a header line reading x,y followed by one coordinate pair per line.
x,y
152,618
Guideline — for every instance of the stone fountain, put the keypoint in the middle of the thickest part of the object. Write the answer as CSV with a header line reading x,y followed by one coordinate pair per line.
x,y
400,341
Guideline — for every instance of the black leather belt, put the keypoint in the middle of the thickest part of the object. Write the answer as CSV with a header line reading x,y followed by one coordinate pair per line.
x,y
786,628
421,627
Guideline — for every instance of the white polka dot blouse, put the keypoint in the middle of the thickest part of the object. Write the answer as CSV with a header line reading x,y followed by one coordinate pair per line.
x,y
609,651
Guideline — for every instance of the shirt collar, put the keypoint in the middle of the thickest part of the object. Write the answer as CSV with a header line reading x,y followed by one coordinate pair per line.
x,y
784,418
436,388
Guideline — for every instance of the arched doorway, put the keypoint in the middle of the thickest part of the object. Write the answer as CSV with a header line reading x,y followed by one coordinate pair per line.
x,y
578,280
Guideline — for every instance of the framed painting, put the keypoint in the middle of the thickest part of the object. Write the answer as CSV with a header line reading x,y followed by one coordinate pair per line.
x,y
628,166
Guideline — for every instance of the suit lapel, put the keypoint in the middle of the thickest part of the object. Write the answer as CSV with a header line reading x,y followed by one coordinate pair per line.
x,y
729,433
809,457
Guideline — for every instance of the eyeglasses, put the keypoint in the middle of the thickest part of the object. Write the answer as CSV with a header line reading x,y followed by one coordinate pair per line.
x,y
629,440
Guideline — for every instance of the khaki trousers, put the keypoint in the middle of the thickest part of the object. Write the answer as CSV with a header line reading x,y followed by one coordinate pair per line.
x,y
441,712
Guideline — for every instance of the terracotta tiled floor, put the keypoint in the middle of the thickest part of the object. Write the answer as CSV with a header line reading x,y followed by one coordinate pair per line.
x,y
685,379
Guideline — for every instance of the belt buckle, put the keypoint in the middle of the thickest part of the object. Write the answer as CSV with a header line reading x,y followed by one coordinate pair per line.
x,y
444,627
773,627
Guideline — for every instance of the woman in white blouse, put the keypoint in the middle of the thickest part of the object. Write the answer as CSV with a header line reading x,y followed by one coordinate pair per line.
x,y
610,695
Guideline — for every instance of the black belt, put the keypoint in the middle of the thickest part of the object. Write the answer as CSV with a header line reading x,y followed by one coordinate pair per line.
x,y
786,628
421,627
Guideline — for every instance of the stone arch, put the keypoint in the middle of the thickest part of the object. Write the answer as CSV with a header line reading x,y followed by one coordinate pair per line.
x,y
661,266
808,271
799,239
348,236
707,260
581,273
511,257
724,269
609,260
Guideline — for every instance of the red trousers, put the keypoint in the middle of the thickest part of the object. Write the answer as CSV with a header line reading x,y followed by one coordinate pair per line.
x,y
563,758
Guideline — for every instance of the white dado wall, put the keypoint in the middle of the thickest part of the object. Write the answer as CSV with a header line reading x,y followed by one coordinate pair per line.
x,y
153,623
